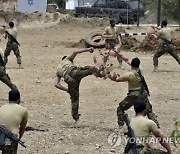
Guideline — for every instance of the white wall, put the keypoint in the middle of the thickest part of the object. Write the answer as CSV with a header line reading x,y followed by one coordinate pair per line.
x,y
31,5
71,4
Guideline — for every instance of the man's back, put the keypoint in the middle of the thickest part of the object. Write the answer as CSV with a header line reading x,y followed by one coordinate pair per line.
x,y
12,31
11,115
142,126
63,66
133,79
165,33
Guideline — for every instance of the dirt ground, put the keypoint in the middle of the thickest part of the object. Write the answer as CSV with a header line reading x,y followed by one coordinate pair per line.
x,y
49,108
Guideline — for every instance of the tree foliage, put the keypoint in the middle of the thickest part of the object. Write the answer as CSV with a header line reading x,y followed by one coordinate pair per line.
x,y
169,8
175,135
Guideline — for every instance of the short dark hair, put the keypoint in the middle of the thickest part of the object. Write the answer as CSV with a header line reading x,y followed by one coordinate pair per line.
x,y
11,24
64,57
135,62
112,21
139,106
14,95
164,23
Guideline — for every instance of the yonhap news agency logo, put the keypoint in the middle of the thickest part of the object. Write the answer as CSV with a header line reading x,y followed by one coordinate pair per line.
x,y
115,139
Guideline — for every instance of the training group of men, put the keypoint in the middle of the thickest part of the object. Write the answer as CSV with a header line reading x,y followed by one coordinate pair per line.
x,y
10,33
137,88
13,117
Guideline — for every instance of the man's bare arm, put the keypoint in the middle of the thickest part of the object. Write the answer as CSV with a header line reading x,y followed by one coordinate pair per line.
x,y
162,141
58,85
126,59
4,34
75,53
118,46
22,127
119,39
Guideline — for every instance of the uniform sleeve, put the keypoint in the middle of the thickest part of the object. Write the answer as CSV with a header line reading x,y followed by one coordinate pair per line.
x,y
152,126
106,31
125,77
25,115
160,32
117,31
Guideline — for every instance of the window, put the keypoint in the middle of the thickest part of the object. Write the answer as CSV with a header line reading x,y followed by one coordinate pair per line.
x,y
100,3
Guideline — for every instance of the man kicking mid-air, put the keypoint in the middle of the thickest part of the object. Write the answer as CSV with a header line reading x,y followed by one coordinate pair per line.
x,y
72,76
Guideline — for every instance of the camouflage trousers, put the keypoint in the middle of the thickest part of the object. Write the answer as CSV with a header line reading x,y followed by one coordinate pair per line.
x,y
9,149
73,78
148,151
12,46
111,44
129,101
166,49
6,79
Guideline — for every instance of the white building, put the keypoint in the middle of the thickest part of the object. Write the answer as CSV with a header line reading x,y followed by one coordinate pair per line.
x,y
31,6
71,4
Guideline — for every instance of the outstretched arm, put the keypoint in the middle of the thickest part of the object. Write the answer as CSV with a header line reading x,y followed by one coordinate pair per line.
x,y
23,125
162,141
126,59
75,53
118,46
58,85
119,40
154,31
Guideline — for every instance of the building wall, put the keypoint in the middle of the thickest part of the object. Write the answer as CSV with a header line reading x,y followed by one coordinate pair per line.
x,y
71,4
84,2
31,5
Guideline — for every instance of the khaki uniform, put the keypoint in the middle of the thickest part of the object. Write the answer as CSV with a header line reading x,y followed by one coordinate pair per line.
x,y
165,47
142,128
5,77
112,42
11,45
11,116
134,86
72,76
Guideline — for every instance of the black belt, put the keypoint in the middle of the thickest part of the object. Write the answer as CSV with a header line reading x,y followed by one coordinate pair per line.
x,y
140,146
133,90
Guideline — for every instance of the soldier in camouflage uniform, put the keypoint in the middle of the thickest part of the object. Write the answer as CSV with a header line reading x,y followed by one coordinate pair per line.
x,y
142,128
12,44
112,40
72,76
14,118
167,47
3,76
137,90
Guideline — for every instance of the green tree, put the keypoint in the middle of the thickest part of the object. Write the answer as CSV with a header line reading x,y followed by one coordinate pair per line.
x,y
169,8
175,135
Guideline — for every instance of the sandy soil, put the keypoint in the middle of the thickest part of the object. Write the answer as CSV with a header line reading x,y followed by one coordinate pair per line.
x,y
49,108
